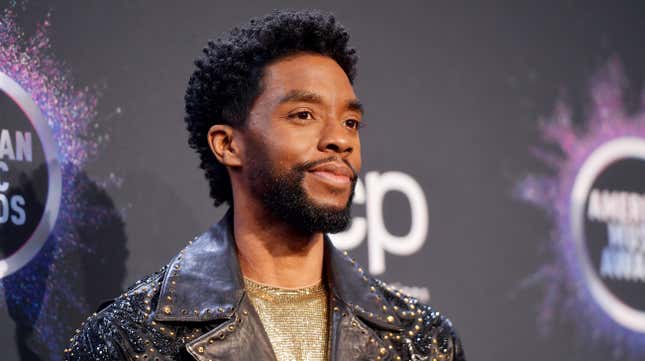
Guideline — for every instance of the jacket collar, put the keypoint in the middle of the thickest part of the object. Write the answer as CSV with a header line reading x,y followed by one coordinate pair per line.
x,y
204,282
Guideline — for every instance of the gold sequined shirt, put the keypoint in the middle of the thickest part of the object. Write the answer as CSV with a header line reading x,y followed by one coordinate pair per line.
x,y
294,319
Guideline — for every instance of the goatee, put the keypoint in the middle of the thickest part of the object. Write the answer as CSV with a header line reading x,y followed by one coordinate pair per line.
x,y
284,196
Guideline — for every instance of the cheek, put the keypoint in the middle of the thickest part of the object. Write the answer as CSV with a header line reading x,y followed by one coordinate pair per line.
x,y
292,147
358,161
355,159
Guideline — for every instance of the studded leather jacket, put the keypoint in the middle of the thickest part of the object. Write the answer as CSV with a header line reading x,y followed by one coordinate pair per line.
x,y
196,308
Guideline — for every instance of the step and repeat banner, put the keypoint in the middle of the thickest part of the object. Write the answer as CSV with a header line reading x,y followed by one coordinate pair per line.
x,y
503,178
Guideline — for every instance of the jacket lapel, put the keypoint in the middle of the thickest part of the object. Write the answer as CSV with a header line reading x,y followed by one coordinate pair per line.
x,y
203,284
240,338
357,310
351,339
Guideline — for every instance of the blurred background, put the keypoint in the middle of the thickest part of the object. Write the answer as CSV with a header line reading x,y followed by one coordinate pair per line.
x,y
504,150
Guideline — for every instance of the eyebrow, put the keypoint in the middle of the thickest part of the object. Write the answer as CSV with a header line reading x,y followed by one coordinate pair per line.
x,y
306,96
356,105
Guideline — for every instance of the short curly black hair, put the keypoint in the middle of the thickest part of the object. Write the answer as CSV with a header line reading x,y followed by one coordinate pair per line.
x,y
228,78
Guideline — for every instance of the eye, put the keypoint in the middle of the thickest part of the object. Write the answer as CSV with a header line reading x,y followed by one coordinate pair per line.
x,y
354,124
302,115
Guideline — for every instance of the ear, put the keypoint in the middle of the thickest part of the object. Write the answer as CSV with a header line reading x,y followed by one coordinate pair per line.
x,y
224,145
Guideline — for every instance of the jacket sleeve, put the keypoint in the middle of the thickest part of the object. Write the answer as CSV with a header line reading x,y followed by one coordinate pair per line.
x,y
97,340
446,334
458,350
440,340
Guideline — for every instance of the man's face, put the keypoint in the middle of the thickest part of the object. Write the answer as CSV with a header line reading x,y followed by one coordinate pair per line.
x,y
302,147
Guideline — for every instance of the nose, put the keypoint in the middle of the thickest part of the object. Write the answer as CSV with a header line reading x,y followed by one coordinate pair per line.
x,y
337,138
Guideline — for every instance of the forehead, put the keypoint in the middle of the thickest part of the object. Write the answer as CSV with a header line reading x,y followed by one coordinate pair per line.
x,y
307,72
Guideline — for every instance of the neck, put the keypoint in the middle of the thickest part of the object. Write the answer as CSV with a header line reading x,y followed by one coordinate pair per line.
x,y
273,252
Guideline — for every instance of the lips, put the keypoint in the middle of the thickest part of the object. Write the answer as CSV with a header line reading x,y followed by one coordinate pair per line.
x,y
336,173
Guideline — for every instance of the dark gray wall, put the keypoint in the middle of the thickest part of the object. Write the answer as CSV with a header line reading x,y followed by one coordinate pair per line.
x,y
453,93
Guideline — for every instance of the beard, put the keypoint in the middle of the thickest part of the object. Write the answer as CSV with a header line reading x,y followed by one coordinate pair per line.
x,y
283,195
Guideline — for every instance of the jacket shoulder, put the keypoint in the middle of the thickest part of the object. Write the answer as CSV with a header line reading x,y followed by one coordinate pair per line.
x,y
426,331
121,328
99,338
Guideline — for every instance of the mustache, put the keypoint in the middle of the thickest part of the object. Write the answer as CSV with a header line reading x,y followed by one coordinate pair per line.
x,y
306,166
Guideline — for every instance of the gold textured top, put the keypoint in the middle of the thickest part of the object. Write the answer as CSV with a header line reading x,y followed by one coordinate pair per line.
x,y
294,319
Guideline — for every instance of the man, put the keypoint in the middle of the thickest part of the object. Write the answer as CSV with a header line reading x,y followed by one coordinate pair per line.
x,y
273,116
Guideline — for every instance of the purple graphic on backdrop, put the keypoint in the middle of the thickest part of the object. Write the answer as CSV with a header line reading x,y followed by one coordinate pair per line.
x,y
40,293
596,200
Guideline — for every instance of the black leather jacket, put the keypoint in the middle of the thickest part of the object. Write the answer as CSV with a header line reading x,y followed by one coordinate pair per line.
x,y
196,308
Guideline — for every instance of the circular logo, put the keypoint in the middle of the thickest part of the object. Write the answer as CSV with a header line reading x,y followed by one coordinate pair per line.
x,y
608,225
30,178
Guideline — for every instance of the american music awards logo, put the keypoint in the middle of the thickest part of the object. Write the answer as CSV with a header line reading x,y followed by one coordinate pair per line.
x,y
49,132
30,177
596,199
608,227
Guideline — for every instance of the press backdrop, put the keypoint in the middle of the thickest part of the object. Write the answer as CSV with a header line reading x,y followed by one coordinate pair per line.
x,y
485,143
